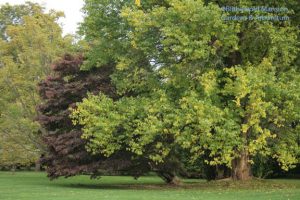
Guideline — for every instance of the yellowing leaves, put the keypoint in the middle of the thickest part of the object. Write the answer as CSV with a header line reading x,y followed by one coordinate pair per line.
x,y
209,82
138,3
32,41
215,95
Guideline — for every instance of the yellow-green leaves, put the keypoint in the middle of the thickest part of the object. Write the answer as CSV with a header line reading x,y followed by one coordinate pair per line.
x,y
29,43
138,2
100,120
209,82
140,125
192,81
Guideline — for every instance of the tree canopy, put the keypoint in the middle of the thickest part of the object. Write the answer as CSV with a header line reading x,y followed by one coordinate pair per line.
x,y
190,80
162,86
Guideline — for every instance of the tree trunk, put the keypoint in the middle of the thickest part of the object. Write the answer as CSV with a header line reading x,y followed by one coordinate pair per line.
x,y
169,178
241,169
220,172
37,166
13,169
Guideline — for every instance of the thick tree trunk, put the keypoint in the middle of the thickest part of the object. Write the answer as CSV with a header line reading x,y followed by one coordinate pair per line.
x,y
241,169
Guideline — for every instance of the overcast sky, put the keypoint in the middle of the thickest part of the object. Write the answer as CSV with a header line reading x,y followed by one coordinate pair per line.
x,y
71,8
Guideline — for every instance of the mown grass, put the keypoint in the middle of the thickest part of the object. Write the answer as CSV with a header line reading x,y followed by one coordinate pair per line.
x,y
36,186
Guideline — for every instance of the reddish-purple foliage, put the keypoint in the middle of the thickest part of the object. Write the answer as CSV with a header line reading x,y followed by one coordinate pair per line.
x,y
66,154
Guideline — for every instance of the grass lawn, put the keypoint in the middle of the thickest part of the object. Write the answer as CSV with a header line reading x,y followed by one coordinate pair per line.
x,y
35,186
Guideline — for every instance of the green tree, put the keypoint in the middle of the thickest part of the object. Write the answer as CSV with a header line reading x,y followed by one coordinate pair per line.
x,y
31,40
190,80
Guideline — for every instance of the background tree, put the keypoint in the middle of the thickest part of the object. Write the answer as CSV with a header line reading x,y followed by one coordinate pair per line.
x,y
31,40
190,80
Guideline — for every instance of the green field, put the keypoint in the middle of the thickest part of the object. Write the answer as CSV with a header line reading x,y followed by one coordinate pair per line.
x,y
35,186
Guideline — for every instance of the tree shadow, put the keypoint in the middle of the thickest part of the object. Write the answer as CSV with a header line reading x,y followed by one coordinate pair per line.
x,y
118,186
129,185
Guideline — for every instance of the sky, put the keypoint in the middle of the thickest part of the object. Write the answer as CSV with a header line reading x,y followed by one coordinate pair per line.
x,y
71,8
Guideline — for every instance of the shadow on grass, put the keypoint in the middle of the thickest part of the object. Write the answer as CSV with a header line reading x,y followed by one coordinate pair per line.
x,y
212,185
120,186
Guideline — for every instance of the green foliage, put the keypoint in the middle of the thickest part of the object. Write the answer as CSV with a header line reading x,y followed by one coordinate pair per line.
x,y
31,41
189,80
134,123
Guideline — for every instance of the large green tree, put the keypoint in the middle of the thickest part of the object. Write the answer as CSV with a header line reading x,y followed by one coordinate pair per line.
x,y
31,40
190,80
